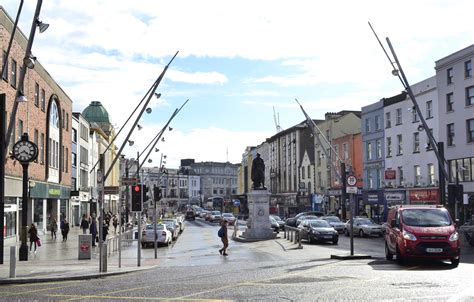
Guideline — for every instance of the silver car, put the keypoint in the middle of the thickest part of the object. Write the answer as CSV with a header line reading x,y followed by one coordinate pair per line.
x,y
172,225
163,235
364,226
335,222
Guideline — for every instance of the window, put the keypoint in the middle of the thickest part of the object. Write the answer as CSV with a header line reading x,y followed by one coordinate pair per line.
x,y
449,102
346,150
74,135
302,173
470,96
470,130
388,121
401,180
449,76
13,79
429,109
370,180
369,151
67,121
5,71
468,69
416,142
450,134
367,125
309,169
417,175
74,160
67,159
389,147
379,178
414,115
84,133
319,158
378,148
377,122
20,129
466,172
43,100
63,118
431,174
35,140
84,156
41,149
399,116
399,144
37,88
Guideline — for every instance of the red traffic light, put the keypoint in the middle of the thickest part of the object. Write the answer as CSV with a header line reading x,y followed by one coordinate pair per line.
x,y
136,188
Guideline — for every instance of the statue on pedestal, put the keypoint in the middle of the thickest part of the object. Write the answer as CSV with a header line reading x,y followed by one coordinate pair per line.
x,y
258,173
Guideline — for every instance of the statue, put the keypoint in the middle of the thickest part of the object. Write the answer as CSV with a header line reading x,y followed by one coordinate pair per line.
x,y
258,173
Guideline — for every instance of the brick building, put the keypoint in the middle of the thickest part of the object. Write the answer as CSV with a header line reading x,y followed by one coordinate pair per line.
x,y
46,117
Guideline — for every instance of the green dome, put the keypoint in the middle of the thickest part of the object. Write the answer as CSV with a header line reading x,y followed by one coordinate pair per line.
x,y
95,112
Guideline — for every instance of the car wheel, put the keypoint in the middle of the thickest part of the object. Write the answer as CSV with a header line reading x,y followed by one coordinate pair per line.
x,y
361,233
388,255
454,262
334,242
400,259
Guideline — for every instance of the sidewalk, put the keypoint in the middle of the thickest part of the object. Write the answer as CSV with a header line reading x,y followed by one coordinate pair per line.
x,y
58,260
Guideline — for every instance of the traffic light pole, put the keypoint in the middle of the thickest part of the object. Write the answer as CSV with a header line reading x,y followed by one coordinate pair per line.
x,y
155,244
139,245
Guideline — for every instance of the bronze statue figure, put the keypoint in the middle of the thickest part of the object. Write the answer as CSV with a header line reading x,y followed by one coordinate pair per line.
x,y
258,173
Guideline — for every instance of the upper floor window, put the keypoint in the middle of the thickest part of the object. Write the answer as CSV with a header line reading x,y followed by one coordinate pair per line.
x,y
388,121
389,147
74,135
5,71
450,134
399,144
415,115
431,174
302,173
470,95
346,150
470,130
378,148
367,125
429,109
377,122
449,102
399,116
37,96
43,100
468,69
13,79
449,76
369,151
416,142
54,116
417,175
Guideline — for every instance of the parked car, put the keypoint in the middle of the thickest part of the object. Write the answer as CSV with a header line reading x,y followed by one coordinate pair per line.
x,y
173,225
363,226
292,221
190,214
421,232
280,221
229,217
215,216
318,230
306,217
335,222
163,235
180,218
203,214
274,224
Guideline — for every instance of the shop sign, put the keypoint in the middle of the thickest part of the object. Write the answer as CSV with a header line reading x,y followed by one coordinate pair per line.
x,y
394,196
390,174
429,196
54,192
334,192
372,197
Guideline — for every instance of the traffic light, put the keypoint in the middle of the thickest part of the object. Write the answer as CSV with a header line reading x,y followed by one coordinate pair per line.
x,y
136,198
157,194
145,193
455,193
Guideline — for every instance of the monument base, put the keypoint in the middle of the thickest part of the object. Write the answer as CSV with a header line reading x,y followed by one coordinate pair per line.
x,y
258,223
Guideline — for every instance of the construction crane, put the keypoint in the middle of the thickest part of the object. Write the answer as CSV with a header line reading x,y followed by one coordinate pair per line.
x,y
277,120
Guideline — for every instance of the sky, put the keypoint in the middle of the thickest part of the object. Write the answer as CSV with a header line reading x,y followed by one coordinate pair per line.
x,y
241,63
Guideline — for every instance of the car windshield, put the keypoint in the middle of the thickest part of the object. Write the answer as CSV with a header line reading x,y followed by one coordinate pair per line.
x,y
152,227
216,213
309,217
319,224
227,215
364,221
332,219
426,217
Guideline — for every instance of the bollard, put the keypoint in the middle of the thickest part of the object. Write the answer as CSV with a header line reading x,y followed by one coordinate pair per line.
x,y
291,235
104,257
296,237
12,261
284,234
299,240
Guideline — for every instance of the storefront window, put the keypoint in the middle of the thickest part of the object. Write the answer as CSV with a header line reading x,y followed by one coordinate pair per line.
x,y
38,213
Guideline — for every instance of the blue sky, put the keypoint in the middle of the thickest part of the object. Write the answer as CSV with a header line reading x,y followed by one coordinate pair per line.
x,y
237,60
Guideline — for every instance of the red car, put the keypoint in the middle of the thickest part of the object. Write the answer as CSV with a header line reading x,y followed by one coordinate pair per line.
x,y
422,232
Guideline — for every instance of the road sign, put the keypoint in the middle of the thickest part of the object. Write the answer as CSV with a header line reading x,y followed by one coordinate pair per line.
x,y
351,180
351,190
111,190
129,181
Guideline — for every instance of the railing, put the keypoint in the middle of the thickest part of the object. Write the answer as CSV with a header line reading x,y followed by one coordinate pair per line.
x,y
113,242
294,235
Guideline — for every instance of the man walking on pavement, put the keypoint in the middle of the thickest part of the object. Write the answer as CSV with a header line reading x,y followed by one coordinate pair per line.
x,y
84,224
223,235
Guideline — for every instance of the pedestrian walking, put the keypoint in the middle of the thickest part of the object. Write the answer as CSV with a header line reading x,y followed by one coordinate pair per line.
x,y
105,232
84,224
222,233
64,229
54,228
93,230
33,232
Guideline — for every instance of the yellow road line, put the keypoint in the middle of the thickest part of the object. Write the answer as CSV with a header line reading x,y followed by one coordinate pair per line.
x,y
36,291
131,298
115,292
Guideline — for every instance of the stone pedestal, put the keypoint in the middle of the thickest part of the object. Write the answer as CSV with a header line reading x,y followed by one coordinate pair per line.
x,y
258,223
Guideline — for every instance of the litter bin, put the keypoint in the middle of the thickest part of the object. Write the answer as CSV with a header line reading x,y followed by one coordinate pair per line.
x,y
85,246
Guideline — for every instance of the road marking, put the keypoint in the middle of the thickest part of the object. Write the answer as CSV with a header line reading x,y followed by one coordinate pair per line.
x,y
116,292
131,298
36,291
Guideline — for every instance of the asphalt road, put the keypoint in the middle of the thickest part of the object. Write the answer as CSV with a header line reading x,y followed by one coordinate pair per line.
x,y
192,270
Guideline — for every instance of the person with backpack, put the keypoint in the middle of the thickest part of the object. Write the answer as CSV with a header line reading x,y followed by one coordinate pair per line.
x,y
93,230
64,229
84,224
222,233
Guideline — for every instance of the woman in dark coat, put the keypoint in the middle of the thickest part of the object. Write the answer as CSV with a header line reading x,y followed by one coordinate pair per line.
x,y
93,230
33,232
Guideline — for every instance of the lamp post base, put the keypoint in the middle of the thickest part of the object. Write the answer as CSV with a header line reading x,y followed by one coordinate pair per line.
x,y
23,252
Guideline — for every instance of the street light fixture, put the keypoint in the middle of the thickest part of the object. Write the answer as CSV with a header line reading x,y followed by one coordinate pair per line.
x,y
21,98
139,127
130,143
29,61
42,26
149,110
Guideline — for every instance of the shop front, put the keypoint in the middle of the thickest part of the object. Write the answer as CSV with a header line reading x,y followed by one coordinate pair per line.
x,y
286,204
335,205
373,205
49,202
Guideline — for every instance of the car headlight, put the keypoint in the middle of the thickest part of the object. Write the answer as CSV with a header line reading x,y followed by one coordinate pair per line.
x,y
408,236
315,232
454,236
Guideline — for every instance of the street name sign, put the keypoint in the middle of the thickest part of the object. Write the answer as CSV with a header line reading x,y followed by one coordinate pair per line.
x,y
351,190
